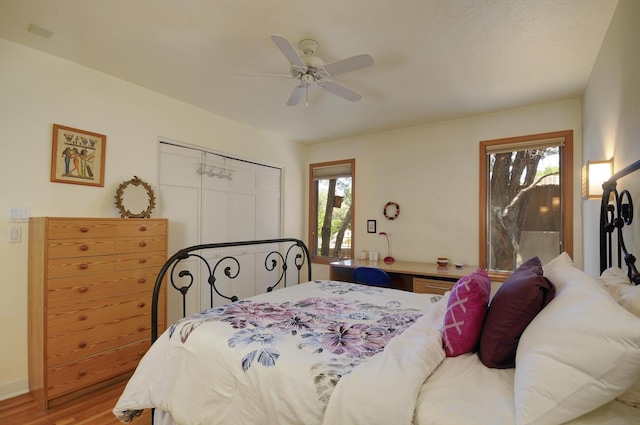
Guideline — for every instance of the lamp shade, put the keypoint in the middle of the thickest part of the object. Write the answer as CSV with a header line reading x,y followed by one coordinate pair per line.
x,y
594,174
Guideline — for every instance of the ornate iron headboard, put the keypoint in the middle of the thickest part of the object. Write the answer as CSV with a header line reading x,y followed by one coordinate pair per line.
x,y
290,252
615,213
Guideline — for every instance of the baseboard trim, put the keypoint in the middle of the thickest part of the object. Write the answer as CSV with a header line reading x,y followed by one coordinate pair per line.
x,y
13,388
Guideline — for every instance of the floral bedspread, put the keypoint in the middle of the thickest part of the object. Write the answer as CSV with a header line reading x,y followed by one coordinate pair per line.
x,y
273,358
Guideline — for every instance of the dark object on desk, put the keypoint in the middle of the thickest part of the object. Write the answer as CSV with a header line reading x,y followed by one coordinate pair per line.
x,y
371,276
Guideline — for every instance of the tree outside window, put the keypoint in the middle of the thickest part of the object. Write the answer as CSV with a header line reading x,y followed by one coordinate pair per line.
x,y
526,199
331,210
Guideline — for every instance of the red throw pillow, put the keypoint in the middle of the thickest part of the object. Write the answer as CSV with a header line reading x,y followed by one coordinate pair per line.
x,y
466,308
520,298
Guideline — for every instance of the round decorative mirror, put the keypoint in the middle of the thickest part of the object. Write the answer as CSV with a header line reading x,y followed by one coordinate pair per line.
x,y
135,199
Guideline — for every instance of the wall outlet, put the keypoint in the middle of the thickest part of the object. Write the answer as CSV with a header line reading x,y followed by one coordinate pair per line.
x,y
15,234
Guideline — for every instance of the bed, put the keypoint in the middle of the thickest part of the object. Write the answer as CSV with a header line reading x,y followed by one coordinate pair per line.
x,y
552,346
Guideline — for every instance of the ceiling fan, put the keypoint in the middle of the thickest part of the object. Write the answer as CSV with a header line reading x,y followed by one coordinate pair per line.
x,y
310,70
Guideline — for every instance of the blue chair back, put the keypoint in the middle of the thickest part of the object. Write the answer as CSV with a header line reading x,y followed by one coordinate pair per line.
x,y
371,276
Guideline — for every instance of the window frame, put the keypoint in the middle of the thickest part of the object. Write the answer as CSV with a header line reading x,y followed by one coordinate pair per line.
x,y
566,193
313,240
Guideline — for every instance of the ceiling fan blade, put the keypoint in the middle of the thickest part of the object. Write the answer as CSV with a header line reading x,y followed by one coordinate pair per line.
x,y
350,64
296,95
289,52
341,91
288,76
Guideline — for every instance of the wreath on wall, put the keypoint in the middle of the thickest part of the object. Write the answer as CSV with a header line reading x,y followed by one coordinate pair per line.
x,y
394,213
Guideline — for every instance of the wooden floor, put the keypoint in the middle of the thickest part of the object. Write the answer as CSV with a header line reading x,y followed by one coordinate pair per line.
x,y
92,409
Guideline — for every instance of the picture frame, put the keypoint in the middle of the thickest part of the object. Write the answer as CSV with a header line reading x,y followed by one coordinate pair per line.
x,y
77,156
371,226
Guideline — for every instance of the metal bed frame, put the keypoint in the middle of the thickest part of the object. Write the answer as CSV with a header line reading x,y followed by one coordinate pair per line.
x,y
291,253
616,212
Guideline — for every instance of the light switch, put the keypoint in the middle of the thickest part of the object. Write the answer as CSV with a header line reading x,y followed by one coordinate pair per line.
x,y
15,234
19,214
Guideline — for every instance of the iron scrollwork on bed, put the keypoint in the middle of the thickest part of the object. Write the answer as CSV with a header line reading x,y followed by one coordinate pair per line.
x,y
289,253
616,212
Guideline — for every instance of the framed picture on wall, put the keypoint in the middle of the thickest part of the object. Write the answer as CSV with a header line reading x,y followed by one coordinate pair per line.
x,y
371,226
77,156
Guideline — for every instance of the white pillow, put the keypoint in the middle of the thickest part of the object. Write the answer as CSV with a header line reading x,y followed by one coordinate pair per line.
x,y
580,352
628,296
621,289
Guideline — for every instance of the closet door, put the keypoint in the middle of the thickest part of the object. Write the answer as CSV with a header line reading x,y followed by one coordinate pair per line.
x,y
179,201
210,198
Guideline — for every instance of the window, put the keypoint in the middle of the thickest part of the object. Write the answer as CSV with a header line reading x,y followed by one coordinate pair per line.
x,y
526,199
331,210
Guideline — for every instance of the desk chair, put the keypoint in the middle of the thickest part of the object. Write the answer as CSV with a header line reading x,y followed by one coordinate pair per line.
x,y
371,276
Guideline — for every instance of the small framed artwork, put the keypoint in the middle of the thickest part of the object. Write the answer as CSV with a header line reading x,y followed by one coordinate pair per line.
x,y
371,226
77,156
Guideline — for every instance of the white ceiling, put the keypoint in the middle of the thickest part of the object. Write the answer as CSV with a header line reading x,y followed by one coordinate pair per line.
x,y
434,59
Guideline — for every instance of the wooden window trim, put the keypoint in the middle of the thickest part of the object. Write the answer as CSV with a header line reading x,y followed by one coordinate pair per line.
x,y
567,191
313,207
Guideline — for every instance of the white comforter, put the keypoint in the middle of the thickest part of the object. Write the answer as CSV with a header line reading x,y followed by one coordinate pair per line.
x,y
294,356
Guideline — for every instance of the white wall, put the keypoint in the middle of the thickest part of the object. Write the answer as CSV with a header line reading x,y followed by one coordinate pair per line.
x,y
432,171
38,90
612,118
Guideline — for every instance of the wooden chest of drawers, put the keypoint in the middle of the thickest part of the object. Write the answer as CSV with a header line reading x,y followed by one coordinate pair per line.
x,y
90,287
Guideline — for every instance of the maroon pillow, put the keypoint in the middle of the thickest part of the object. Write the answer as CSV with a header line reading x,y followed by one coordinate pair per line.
x,y
520,298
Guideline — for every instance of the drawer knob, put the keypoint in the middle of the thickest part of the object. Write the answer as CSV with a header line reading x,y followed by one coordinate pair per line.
x,y
141,328
142,280
82,344
141,304
84,247
83,317
143,228
83,289
84,229
142,260
140,354
82,373
84,266
142,244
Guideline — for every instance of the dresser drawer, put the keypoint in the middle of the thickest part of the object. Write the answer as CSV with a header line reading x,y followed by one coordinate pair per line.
x,y
65,248
152,260
85,266
72,346
144,244
81,289
70,377
141,228
76,229
431,286
94,314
